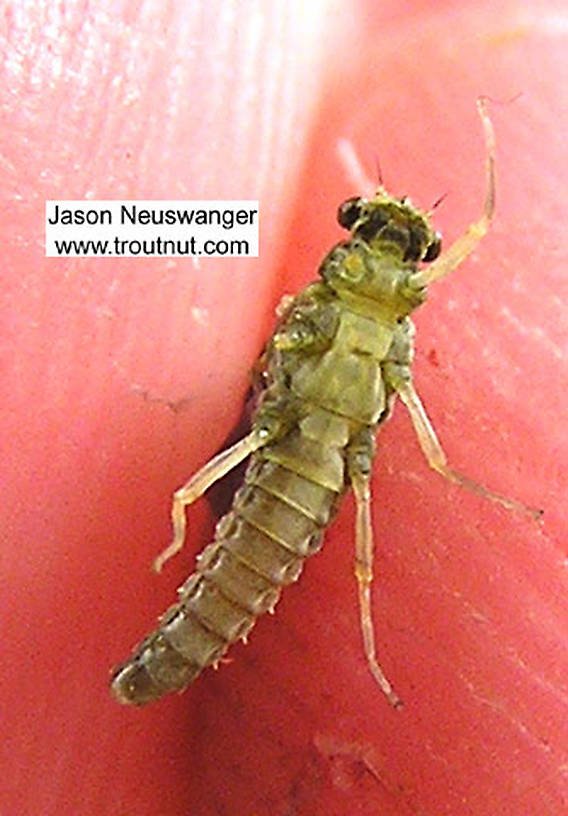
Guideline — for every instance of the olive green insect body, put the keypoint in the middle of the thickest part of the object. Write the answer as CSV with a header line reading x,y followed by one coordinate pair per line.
x,y
339,356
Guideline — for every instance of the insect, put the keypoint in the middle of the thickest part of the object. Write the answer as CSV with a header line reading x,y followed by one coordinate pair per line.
x,y
339,357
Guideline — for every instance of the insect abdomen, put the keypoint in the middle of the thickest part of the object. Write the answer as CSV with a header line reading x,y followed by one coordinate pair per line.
x,y
276,521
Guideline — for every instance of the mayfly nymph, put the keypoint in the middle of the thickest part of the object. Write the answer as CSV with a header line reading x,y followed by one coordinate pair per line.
x,y
339,356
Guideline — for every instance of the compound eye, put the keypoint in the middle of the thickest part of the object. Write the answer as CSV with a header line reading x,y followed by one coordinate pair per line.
x,y
433,249
349,212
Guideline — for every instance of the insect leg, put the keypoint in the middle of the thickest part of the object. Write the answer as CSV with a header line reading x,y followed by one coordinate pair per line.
x,y
354,169
436,457
466,243
215,469
359,471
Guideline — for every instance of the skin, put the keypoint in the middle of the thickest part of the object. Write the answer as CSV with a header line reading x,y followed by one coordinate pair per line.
x,y
106,409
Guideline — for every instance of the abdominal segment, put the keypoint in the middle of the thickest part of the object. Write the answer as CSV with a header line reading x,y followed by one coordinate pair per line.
x,y
277,520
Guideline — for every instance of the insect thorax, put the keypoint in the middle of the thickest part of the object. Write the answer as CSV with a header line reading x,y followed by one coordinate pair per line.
x,y
389,238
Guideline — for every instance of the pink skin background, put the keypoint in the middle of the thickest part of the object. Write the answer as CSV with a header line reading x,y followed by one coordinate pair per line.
x,y
121,377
